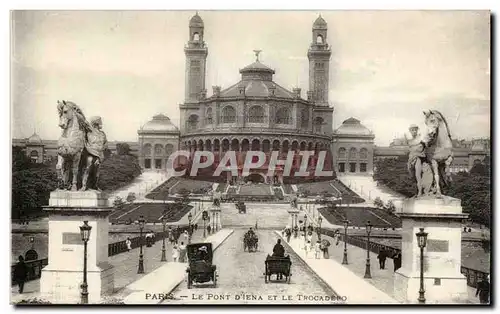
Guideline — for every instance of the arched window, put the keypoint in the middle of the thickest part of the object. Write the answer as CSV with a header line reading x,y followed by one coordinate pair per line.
x,y
34,154
256,114
169,149
304,118
208,116
147,149
318,124
228,114
158,149
196,37
363,153
352,153
319,39
192,122
283,116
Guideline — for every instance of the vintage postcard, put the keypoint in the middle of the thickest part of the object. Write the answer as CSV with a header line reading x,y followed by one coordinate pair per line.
x,y
250,157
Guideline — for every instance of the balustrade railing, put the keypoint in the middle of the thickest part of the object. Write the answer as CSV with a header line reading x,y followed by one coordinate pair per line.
x,y
35,267
473,275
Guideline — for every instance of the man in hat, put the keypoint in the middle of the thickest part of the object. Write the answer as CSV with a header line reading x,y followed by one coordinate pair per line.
x,y
483,290
96,144
416,156
203,253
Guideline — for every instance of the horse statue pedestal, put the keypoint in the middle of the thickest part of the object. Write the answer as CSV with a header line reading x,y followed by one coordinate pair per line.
x,y
441,218
61,278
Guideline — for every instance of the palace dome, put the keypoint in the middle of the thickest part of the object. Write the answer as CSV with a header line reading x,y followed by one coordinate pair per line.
x,y
160,123
320,23
34,139
352,126
196,21
257,81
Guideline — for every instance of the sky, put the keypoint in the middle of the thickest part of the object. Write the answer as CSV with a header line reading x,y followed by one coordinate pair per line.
x,y
126,66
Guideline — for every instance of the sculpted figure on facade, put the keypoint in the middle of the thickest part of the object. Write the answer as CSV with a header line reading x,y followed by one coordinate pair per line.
x,y
95,145
430,154
80,148
416,156
71,144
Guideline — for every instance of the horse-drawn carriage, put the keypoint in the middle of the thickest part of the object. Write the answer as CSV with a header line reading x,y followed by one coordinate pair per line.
x,y
250,242
200,268
241,207
279,266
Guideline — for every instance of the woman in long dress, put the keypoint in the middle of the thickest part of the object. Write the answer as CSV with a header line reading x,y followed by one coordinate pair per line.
x,y
175,253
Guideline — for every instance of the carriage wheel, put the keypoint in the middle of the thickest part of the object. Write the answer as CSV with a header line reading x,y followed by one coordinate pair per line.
x,y
265,278
215,280
189,282
288,278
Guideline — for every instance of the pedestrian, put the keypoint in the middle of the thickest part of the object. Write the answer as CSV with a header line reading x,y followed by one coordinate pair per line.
x,y
317,249
382,256
396,258
182,253
288,234
308,248
209,229
128,243
20,273
483,290
175,253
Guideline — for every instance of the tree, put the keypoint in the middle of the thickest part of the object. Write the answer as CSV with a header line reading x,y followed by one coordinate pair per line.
x,y
118,171
122,149
378,202
31,190
391,208
481,169
118,202
31,185
131,197
393,173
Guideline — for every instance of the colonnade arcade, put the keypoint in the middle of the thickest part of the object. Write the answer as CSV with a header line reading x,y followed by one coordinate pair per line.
x,y
220,146
245,144
352,160
155,155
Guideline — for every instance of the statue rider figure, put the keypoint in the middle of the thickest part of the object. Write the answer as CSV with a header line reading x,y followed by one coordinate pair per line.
x,y
416,157
95,144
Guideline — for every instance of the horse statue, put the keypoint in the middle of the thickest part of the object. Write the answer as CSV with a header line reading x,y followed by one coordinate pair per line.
x,y
438,148
71,144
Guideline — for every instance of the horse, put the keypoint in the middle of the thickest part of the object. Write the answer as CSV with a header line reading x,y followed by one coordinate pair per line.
x,y
439,146
71,143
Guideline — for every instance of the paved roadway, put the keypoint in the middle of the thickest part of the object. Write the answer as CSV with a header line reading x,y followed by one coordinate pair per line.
x,y
270,216
241,278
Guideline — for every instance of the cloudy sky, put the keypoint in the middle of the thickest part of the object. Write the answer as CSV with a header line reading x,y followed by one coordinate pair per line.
x,y
127,66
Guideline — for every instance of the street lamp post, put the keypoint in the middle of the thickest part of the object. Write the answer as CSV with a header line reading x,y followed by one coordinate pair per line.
x,y
344,260
140,269
204,216
367,269
163,251
422,240
85,233
190,216
318,230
